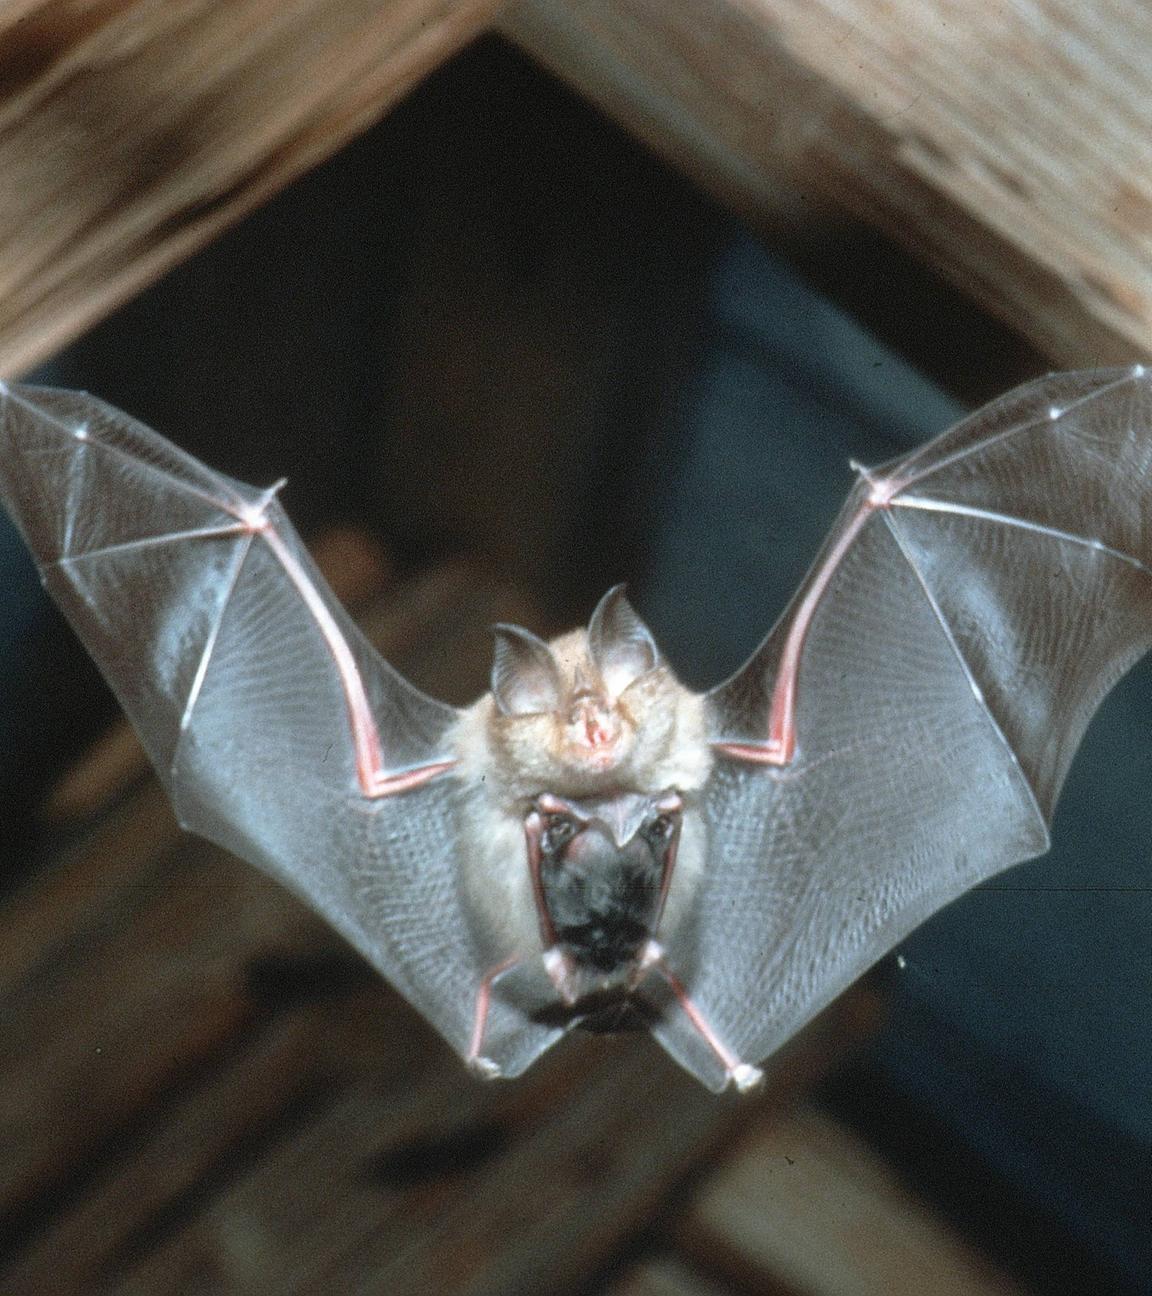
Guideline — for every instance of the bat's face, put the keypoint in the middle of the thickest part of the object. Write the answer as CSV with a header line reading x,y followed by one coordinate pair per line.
x,y
595,713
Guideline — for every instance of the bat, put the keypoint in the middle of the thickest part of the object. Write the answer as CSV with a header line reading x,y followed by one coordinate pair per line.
x,y
591,843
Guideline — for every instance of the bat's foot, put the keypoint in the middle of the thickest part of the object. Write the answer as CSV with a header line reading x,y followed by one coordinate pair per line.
x,y
562,973
652,953
741,1074
745,1077
484,1068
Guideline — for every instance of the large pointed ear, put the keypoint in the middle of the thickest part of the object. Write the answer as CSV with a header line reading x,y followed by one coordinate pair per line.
x,y
525,677
619,642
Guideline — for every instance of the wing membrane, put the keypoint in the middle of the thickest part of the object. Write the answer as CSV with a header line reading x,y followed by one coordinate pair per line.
x,y
993,589
233,659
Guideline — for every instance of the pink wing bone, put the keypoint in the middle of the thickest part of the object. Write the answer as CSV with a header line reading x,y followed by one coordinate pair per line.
x,y
371,771
251,521
885,493
781,744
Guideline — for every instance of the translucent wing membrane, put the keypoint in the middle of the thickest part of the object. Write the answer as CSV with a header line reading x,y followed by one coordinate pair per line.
x,y
901,734
279,731
976,600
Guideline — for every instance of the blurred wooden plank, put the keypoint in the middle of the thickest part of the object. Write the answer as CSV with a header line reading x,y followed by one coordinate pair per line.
x,y
666,1276
550,1213
133,131
809,1208
288,1069
49,913
380,1163
155,990
532,1186
1007,149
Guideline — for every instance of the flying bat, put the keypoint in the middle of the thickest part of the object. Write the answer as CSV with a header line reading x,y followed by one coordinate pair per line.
x,y
591,843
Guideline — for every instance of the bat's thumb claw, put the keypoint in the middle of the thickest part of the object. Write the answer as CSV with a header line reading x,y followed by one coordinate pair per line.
x,y
485,1068
745,1077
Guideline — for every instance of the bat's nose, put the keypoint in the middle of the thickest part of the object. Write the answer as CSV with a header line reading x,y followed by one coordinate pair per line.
x,y
594,719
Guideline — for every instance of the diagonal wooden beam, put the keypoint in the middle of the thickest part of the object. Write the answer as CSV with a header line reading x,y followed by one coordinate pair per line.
x,y
1006,145
133,131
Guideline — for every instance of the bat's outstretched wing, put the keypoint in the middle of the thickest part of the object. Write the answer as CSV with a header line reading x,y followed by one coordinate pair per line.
x,y
278,730
905,729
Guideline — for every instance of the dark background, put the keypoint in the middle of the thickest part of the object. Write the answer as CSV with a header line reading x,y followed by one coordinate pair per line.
x,y
496,326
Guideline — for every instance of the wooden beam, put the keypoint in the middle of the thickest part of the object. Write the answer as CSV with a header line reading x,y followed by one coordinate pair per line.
x,y
1008,147
807,1207
133,131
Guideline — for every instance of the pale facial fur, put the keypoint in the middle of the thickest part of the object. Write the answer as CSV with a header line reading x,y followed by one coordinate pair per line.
x,y
646,738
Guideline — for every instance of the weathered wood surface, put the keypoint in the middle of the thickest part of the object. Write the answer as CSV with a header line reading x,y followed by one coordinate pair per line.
x,y
133,131
666,1275
525,1188
1008,147
809,1206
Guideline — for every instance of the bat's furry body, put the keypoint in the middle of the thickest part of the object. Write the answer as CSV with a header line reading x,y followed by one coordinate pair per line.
x,y
590,836
605,734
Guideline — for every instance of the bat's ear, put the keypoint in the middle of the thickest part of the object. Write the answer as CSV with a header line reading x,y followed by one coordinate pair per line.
x,y
525,677
619,643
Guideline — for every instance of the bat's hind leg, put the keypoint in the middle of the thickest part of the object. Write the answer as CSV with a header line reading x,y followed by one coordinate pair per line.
x,y
741,1074
484,1066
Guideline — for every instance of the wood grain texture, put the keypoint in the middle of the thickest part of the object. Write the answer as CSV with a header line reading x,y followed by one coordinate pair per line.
x,y
1006,146
454,1187
279,1079
808,1207
132,131
665,1276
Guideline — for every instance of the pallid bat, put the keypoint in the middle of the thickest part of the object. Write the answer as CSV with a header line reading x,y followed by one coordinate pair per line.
x,y
591,843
